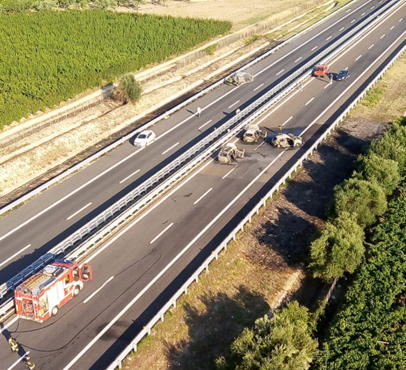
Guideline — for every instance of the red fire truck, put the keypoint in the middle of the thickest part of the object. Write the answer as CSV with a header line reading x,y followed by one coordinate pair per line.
x,y
43,294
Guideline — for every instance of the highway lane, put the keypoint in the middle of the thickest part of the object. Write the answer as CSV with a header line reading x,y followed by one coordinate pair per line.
x,y
67,206
198,223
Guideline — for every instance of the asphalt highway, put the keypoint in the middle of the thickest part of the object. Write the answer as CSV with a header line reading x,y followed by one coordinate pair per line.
x,y
147,261
31,230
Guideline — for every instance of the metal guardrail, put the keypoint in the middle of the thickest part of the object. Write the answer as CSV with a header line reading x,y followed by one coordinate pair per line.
x,y
110,147
233,235
235,124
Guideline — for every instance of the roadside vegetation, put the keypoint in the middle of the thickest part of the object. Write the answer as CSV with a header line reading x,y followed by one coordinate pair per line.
x,y
48,57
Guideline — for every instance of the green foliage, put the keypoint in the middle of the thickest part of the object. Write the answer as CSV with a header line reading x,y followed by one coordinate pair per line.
x,y
363,198
131,87
340,248
43,5
374,313
48,57
283,342
252,39
381,170
211,49
372,96
105,4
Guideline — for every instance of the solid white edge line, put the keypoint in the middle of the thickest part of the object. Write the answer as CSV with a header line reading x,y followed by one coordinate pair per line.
x,y
14,255
232,105
283,124
298,59
207,192
229,172
315,48
5,327
161,233
173,146
78,211
280,72
123,180
258,87
358,57
204,124
310,101
98,290
18,361
167,267
355,81
371,47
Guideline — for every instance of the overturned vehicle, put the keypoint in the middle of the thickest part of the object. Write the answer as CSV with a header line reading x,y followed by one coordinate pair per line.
x,y
287,141
240,78
230,153
253,133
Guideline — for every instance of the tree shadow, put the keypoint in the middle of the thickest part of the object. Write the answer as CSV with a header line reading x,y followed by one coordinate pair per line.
x,y
212,332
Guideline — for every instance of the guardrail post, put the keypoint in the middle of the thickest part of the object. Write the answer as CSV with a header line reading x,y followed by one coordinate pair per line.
x,y
207,267
174,303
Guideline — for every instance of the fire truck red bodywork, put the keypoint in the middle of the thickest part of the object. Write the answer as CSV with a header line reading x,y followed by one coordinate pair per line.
x,y
40,296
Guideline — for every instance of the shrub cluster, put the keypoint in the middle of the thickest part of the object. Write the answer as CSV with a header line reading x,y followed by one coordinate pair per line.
x,y
48,57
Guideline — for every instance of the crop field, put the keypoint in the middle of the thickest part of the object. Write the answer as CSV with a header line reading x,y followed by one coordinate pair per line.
x,y
48,57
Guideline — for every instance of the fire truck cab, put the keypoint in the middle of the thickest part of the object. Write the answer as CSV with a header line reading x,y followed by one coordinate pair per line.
x,y
43,294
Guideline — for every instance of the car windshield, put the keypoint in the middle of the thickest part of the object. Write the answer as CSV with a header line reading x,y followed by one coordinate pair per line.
x,y
142,136
342,72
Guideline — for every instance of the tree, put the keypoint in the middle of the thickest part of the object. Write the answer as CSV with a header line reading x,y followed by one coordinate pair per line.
x,y
131,87
43,5
363,198
339,249
105,4
283,342
384,171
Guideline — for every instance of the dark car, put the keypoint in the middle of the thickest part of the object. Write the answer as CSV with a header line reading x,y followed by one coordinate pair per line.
x,y
343,75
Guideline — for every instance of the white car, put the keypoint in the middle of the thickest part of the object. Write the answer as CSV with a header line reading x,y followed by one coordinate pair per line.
x,y
144,138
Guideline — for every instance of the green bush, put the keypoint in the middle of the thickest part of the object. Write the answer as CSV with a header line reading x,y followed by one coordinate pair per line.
x,y
363,198
131,87
339,249
48,57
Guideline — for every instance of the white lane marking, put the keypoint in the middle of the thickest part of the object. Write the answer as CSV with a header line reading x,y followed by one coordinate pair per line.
x,y
312,38
354,82
229,172
346,68
325,87
259,146
348,10
280,72
353,20
98,290
258,87
123,180
161,233
207,192
80,210
343,28
167,150
283,124
371,47
373,7
298,59
310,101
18,361
362,14
314,48
358,57
328,38
204,124
392,28
232,105
14,255
68,195
5,327
167,267
401,19
382,36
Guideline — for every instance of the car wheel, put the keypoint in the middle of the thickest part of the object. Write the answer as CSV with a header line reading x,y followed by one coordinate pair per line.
x,y
76,290
55,311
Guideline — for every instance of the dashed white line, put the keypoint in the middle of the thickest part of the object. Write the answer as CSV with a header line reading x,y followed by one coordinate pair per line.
x,y
298,59
346,68
255,149
207,192
353,21
280,72
325,87
229,172
362,14
18,361
232,105
258,87
401,19
123,180
328,38
204,124
80,210
343,28
371,46
382,36
167,150
98,290
14,255
392,28
283,124
348,10
373,7
161,233
315,48
310,101
5,327
358,57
